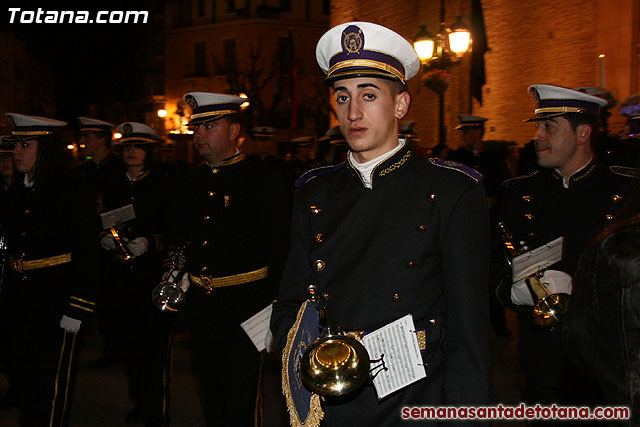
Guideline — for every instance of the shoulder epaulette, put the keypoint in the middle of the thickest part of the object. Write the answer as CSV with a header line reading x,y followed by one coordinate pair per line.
x,y
625,171
313,173
509,182
459,167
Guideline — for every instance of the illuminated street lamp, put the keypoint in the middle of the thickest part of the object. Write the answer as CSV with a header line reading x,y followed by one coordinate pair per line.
x,y
424,44
437,58
162,113
459,38
244,104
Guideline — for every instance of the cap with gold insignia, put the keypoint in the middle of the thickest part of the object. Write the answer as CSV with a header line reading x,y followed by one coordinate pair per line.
x,y
134,133
88,125
24,125
467,121
263,132
207,107
303,141
364,49
555,101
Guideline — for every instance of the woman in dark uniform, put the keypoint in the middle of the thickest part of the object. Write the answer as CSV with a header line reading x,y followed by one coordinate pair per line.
x,y
47,226
144,330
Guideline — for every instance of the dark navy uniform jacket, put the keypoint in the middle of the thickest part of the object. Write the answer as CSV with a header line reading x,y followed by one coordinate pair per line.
x,y
537,209
417,242
52,220
236,217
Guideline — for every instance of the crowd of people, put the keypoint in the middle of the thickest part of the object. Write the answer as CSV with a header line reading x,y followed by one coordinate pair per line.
x,y
372,222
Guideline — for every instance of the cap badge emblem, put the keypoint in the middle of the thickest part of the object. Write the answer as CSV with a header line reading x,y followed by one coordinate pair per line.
x,y
352,40
127,129
189,99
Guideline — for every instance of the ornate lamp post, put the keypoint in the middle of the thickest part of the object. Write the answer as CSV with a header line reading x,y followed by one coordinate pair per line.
x,y
438,54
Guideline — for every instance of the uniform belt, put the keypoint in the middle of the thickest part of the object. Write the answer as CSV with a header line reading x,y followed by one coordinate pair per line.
x,y
20,265
210,283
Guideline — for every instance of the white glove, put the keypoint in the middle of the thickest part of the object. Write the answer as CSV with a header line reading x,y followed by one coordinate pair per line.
x,y
556,282
107,242
184,281
70,325
138,246
520,294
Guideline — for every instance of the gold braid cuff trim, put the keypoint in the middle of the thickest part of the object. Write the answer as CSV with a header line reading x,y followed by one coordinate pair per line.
x,y
83,300
20,265
210,283
90,310
316,414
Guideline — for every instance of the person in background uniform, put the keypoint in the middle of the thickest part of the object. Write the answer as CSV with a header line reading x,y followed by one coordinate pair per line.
x,y
94,142
474,153
389,234
170,165
305,156
408,131
338,146
572,196
99,164
143,329
510,162
234,211
265,146
45,296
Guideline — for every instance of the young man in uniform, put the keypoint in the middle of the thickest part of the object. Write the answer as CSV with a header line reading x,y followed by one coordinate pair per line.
x,y
389,234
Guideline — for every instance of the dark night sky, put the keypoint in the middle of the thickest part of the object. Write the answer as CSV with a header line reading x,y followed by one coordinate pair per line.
x,y
91,63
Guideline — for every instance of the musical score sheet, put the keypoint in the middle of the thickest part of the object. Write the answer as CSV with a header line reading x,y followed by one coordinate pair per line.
x,y
398,346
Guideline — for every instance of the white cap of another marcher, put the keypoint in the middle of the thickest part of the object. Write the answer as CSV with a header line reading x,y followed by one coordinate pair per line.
x,y
24,125
133,133
553,101
207,107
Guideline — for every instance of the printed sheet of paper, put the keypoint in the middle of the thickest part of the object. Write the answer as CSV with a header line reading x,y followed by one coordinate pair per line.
x,y
117,216
398,342
538,259
257,327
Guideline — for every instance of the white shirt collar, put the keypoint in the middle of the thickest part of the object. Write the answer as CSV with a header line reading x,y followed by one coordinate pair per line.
x,y
26,181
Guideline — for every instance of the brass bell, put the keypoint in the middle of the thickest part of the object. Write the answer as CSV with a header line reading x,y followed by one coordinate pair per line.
x,y
335,364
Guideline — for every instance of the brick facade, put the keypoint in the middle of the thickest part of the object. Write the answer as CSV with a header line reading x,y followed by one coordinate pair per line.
x,y
542,41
